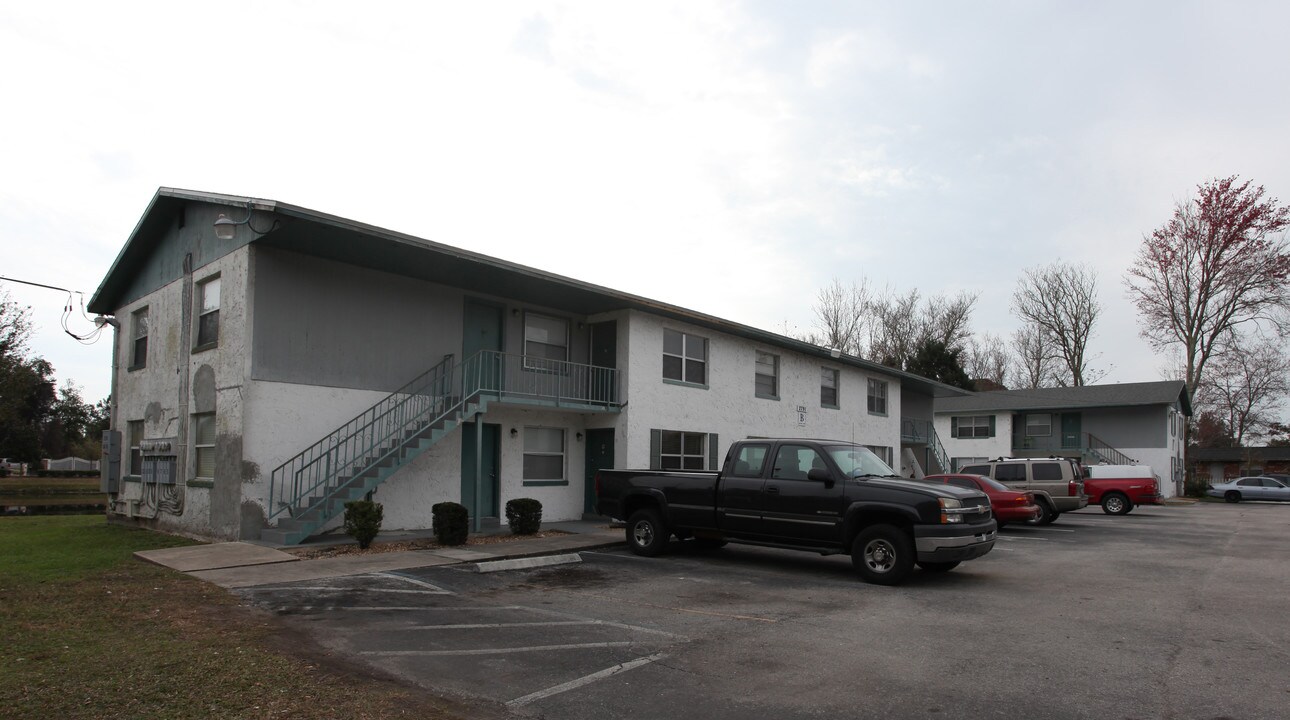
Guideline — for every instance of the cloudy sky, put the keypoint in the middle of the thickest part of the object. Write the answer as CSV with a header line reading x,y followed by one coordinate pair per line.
x,y
727,157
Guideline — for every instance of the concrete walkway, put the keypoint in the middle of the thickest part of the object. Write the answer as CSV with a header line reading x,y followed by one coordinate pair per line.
x,y
246,564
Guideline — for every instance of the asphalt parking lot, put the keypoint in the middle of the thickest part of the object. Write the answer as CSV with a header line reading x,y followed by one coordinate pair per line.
x,y
1169,612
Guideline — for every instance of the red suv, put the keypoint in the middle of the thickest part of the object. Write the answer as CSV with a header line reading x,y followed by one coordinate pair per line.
x,y
1009,505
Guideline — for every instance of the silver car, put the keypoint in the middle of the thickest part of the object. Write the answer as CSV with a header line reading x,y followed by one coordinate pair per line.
x,y
1250,488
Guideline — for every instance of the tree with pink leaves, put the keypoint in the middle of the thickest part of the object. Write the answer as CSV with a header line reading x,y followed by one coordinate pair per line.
x,y
1219,264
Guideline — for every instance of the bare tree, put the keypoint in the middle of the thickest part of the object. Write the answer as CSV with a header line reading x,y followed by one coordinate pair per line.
x,y
987,359
894,332
840,315
901,324
1034,362
1246,386
1060,302
1213,267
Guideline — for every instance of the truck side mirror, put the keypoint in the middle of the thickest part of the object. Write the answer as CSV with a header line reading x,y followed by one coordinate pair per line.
x,y
820,475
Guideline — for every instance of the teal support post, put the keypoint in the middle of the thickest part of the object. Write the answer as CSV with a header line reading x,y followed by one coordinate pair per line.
x,y
479,472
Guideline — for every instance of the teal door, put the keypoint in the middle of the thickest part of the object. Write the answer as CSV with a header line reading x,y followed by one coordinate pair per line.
x,y
481,330
491,435
1070,431
600,456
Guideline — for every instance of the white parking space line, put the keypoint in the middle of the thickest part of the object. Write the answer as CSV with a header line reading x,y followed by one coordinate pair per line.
x,y
610,623
375,608
585,680
493,651
404,591
1019,537
476,626
414,581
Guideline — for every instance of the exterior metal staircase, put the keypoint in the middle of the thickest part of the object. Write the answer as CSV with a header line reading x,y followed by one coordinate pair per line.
x,y
923,432
1097,448
310,489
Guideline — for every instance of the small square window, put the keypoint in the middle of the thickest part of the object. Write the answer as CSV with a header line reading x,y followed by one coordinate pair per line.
x,y
685,357
976,426
208,312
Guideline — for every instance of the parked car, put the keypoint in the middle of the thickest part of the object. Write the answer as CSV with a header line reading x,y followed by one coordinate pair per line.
x,y
823,496
1009,505
1057,482
1250,488
1118,488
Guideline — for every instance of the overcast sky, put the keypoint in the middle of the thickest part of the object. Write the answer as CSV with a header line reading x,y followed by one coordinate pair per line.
x,y
730,157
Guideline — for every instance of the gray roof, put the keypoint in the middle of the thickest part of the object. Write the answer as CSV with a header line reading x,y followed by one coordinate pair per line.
x,y
1165,392
314,233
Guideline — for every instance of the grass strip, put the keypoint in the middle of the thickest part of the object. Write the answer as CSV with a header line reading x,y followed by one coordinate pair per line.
x,y
92,633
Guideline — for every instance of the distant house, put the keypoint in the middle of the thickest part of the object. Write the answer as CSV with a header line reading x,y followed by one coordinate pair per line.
x,y
1127,423
272,361
1219,464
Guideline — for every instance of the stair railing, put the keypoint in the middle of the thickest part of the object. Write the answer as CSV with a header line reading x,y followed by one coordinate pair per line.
x,y
1106,453
350,448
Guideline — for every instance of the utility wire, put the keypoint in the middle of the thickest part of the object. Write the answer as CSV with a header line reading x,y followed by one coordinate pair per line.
x,y
88,339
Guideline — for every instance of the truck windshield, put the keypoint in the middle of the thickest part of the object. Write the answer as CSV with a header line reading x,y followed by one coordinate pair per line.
x,y
855,461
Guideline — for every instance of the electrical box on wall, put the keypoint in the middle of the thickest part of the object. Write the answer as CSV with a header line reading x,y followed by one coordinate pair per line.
x,y
110,465
159,460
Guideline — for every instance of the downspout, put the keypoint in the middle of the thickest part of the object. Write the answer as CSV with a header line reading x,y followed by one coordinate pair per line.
x,y
479,471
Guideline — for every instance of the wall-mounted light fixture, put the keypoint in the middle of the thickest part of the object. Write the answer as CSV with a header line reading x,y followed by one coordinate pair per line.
x,y
515,312
515,433
226,228
579,436
835,353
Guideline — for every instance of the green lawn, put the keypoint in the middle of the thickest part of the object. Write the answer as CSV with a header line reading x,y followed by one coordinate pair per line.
x,y
90,632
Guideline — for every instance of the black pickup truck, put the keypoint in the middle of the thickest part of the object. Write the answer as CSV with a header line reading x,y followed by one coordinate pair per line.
x,y
821,495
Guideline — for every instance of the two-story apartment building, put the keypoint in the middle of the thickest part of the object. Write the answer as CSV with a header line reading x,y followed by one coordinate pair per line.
x,y
273,361
1121,424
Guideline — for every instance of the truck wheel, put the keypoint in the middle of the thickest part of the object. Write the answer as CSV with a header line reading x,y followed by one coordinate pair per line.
x,y
1116,504
883,555
1232,496
938,567
646,534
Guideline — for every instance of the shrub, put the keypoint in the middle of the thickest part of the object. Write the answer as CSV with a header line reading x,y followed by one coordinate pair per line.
x,y
451,523
363,521
1196,485
524,515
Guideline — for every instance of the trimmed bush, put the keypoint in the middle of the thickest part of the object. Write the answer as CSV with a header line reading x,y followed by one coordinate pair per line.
x,y
451,523
524,515
363,521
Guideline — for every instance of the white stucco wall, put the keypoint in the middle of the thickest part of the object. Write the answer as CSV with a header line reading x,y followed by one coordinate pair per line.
x,y
998,446
175,384
729,406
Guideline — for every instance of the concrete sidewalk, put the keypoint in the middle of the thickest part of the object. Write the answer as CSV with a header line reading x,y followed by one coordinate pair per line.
x,y
245,564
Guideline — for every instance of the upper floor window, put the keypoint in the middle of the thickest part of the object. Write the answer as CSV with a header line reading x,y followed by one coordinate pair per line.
x,y
767,378
685,357
545,338
1039,425
828,387
208,312
877,397
976,426
139,334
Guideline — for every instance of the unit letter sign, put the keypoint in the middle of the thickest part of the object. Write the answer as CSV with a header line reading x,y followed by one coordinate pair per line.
x,y
801,416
